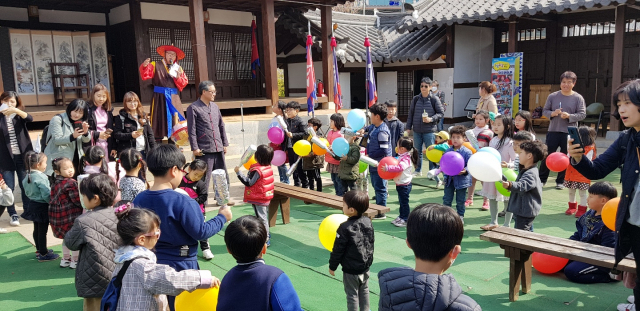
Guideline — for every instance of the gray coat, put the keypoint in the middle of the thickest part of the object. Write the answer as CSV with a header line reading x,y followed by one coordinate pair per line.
x,y
526,193
406,289
60,142
431,104
206,128
94,235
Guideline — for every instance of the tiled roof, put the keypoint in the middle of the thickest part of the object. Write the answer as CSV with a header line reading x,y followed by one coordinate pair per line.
x,y
448,12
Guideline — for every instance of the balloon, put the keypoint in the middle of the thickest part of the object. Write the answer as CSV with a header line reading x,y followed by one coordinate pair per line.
x,y
329,228
483,166
279,157
302,148
511,176
547,264
434,155
340,146
363,167
557,162
609,212
468,145
356,119
275,135
199,299
317,150
251,161
384,162
492,151
451,163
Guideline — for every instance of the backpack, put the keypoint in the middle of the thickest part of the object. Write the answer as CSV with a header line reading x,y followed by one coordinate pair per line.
x,y
111,296
44,140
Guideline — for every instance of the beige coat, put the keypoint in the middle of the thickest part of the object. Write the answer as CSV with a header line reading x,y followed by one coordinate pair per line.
x,y
488,104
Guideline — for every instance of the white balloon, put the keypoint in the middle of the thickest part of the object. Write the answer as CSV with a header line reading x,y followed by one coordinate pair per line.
x,y
484,166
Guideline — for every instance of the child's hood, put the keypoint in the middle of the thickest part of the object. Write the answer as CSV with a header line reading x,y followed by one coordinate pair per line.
x,y
129,252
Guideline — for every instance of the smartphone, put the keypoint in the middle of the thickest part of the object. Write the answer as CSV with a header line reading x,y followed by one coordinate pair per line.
x,y
140,130
108,131
77,125
573,133
504,178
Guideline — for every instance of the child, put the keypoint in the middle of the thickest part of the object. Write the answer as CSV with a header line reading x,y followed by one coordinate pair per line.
x,y
526,192
396,127
296,131
407,154
353,249
434,234
64,207
6,198
182,220
575,181
312,163
335,127
523,122
195,187
503,128
483,135
131,184
270,288
591,229
279,111
144,279
378,147
442,144
37,188
94,235
95,163
518,138
258,184
349,169
458,184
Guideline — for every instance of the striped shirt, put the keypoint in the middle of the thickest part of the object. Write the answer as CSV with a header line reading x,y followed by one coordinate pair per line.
x,y
15,149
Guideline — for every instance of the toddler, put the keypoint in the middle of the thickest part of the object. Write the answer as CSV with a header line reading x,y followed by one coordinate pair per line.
x,y
335,127
407,155
194,186
64,207
484,135
348,169
312,163
575,181
457,184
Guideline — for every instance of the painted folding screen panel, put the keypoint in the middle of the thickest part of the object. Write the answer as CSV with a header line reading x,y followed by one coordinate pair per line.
x,y
100,60
42,46
82,53
63,53
22,59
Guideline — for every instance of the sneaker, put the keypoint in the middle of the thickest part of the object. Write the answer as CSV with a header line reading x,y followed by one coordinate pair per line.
x,y
15,220
3,230
468,202
631,299
380,216
49,251
559,186
401,223
207,254
73,264
417,174
393,222
485,206
65,263
626,307
48,257
501,214
231,203
439,184
544,184
373,198
269,240
462,219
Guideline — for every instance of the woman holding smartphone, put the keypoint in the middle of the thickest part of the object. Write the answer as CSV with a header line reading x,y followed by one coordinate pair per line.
x,y
100,121
132,129
67,132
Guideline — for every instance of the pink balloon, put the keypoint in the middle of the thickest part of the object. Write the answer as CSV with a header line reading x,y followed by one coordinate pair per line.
x,y
452,163
279,157
275,135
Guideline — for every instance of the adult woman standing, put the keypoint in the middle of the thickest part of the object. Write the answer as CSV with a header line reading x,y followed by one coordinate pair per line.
x,y
132,129
14,144
487,101
437,92
67,132
100,119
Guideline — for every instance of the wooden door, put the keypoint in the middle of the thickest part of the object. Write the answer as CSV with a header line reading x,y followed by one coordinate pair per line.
x,y
232,62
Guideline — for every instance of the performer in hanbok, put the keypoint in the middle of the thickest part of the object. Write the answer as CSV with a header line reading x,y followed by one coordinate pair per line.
x,y
168,79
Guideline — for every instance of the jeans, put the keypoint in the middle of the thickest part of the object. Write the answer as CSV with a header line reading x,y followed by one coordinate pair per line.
x,y
554,140
420,139
356,286
299,178
441,124
461,195
379,186
580,272
282,171
337,184
403,198
314,178
632,233
348,185
10,180
524,223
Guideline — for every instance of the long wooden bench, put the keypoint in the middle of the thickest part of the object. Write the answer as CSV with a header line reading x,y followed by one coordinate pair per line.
x,y
518,246
283,193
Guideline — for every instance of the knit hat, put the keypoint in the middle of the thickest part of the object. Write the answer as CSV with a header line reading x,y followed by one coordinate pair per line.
x,y
444,135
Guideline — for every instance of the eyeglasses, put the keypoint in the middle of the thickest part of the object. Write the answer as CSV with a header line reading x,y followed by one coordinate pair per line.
x,y
212,92
156,234
425,86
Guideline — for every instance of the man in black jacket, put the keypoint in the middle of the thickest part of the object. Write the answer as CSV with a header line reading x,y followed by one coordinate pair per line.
x,y
353,249
296,130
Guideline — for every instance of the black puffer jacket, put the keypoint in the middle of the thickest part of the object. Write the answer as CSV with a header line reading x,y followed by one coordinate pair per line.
x,y
406,289
431,104
353,248
298,130
122,132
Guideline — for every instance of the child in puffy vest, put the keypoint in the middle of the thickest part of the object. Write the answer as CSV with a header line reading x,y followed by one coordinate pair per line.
x,y
259,184
193,183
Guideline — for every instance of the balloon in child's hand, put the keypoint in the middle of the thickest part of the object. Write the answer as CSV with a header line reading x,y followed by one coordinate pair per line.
x,y
251,161
302,148
468,145
199,299
557,162
279,157
275,135
340,146
547,264
356,119
609,212
434,155
492,151
387,161
452,163
317,150
329,228
484,166
511,176
363,167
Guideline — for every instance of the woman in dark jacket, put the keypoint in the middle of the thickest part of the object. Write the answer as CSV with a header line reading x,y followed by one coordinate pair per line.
x,y
14,144
623,153
100,121
132,129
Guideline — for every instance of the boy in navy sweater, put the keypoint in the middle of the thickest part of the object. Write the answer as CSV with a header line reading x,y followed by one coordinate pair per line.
x,y
252,285
181,218
378,147
396,127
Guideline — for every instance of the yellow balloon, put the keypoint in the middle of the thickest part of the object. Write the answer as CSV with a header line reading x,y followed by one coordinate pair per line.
x,y
302,148
329,228
199,299
319,151
251,161
434,154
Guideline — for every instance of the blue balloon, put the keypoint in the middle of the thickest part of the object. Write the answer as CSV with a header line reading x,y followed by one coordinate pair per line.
x,y
356,119
493,151
340,146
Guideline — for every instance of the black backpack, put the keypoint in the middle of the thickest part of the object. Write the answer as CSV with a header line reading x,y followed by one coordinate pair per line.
x,y
111,296
43,139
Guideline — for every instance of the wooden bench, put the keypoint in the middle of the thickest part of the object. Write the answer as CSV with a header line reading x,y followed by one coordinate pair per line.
x,y
283,193
518,246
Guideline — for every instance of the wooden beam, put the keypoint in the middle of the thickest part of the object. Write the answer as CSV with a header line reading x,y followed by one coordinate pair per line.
x,y
618,51
269,47
326,25
139,34
513,41
1,83
198,42
450,46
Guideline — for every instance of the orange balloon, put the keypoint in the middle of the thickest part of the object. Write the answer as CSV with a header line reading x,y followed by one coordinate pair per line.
x,y
609,212
251,161
317,150
468,145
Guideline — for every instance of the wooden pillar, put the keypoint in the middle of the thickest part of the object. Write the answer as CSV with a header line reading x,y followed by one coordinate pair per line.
x,y
1,83
198,43
449,58
513,41
618,51
327,54
139,34
269,47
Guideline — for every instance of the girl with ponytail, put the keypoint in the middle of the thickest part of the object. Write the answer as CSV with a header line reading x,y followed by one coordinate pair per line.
x,y
131,184
407,155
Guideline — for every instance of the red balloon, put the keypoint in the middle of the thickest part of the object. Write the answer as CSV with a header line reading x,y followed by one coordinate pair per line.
x,y
557,162
547,264
387,161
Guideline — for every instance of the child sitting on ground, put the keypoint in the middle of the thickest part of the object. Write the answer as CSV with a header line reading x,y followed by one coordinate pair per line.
x,y
269,287
64,207
526,192
312,163
353,249
458,184
348,169
407,154
6,197
131,184
591,229
193,184
434,234
442,144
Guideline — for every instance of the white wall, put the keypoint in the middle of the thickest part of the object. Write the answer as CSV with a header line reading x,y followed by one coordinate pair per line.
x,y
297,76
14,14
70,17
178,13
445,79
233,18
387,86
119,14
345,86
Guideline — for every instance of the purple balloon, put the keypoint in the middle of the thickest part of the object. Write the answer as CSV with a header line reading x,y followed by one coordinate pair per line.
x,y
452,163
275,135
279,157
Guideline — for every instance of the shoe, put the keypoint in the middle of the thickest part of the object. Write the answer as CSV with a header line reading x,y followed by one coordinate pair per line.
x,y
559,186
73,264
65,263
485,206
626,307
581,211
393,222
3,230
462,219
573,207
268,240
631,299
489,227
49,251
373,198
307,202
433,173
231,203
401,223
48,257
417,174
207,254
439,184
468,202
501,214
544,184
380,216
15,220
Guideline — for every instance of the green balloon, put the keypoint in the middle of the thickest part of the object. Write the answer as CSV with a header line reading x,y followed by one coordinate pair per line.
x,y
363,167
511,176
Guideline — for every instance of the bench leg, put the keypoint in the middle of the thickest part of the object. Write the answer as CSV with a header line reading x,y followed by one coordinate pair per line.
x,y
515,271
273,212
519,272
285,210
526,271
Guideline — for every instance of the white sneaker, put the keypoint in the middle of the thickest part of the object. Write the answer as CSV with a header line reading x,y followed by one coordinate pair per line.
x,y
439,184
415,174
400,223
393,222
631,299
15,220
433,173
3,230
73,264
462,218
626,307
64,263
207,254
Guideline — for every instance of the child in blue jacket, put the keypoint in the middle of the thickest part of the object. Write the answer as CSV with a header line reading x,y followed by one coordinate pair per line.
x,y
378,147
458,184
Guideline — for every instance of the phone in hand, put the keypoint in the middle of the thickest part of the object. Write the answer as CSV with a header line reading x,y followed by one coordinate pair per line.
x,y
504,178
108,131
140,130
573,133
77,125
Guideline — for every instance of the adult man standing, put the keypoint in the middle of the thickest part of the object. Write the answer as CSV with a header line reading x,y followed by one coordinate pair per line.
x,y
207,136
565,108
168,79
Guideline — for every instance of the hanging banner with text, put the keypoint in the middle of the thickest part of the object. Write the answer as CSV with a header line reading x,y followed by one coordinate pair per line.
x,y
506,74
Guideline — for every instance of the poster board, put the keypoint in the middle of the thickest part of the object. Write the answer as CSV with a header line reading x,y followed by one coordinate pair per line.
x,y
504,73
518,81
